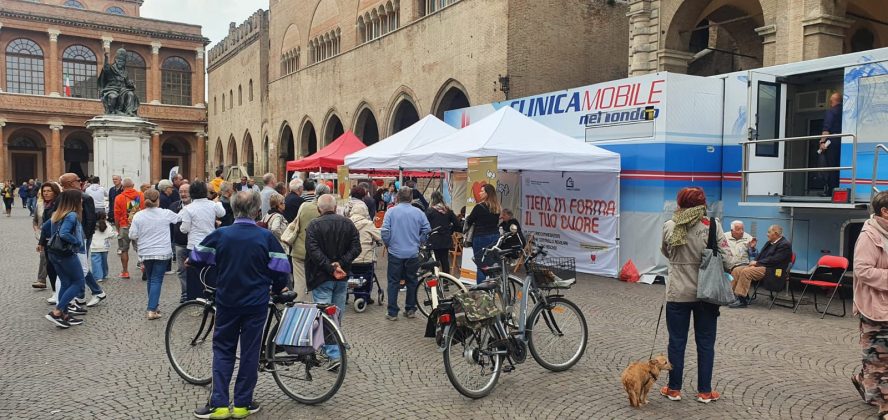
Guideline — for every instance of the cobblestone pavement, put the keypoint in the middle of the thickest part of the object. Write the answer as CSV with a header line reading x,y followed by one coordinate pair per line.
x,y
769,364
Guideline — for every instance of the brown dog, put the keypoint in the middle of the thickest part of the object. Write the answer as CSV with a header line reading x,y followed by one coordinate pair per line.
x,y
640,377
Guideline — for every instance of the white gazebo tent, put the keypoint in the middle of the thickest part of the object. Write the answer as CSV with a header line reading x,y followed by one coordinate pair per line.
x,y
574,184
387,153
518,142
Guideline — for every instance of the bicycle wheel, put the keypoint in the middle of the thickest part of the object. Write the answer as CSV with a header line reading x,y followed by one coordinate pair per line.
x,y
447,287
189,341
471,364
306,378
557,334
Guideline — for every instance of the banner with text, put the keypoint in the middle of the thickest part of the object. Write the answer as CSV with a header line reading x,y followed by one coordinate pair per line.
x,y
481,171
574,214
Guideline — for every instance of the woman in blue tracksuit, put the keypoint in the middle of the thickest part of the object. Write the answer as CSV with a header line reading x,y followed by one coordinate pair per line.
x,y
65,223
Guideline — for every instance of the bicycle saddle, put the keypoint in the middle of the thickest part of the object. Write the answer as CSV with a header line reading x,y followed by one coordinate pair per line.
x,y
485,286
429,265
285,297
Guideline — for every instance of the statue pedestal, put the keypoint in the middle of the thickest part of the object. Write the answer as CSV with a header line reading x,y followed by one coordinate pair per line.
x,y
121,146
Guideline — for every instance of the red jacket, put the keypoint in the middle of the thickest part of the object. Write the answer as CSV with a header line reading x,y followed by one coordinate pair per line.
x,y
123,206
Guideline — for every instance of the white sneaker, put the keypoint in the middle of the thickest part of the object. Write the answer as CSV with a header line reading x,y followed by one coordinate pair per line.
x,y
80,301
52,300
96,299
169,272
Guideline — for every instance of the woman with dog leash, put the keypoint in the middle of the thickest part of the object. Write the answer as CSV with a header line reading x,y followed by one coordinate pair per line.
x,y
684,239
870,295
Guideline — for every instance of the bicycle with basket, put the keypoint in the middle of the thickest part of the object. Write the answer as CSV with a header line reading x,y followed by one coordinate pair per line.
x,y
482,335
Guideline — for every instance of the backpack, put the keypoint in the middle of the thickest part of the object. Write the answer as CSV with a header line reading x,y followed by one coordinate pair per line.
x,y
475,308
133,207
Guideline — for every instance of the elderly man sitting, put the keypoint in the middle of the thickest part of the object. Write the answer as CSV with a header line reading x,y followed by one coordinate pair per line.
x,y
775,255
742,245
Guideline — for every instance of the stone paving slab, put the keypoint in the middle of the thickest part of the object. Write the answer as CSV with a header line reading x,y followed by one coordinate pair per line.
x,y
769,364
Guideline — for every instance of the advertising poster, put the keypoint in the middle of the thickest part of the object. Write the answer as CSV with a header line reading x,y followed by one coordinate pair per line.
x,y
481,171
574,214
342,180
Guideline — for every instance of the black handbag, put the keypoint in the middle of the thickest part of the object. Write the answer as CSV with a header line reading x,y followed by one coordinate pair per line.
x,y
59,246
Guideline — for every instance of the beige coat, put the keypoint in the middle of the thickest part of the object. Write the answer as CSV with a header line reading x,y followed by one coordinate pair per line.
x,y
307,212
871,274
370,237
684,260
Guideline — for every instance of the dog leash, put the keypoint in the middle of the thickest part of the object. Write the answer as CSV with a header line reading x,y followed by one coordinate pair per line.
x,y
657,330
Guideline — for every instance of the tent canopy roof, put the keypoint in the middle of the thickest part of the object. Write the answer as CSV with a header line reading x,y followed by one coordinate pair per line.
x,y
331,156
386,154
518,142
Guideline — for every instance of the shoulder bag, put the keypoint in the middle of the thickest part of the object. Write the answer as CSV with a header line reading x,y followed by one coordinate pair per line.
x,y
712,286
59,246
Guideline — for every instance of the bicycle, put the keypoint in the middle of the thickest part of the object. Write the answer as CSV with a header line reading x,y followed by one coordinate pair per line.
x,y
474,354
188,339
436,284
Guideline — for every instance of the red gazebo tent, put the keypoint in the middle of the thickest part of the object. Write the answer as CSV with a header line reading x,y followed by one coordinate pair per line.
x,y
330,157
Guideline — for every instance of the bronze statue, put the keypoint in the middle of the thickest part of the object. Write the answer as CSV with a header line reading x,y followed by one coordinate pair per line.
x,y
117,89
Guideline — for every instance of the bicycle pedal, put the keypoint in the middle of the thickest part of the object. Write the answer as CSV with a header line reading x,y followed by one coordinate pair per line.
x,y
508,369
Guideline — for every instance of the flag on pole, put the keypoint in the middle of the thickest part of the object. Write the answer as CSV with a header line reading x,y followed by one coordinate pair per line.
x,y
67,85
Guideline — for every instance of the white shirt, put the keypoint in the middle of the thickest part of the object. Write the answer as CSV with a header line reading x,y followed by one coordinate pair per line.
x,y
150,228
98,193
266,197
199,220
101,241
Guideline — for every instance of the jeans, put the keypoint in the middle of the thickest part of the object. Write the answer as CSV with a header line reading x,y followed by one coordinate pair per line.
x,y
333,292
231,327
678,318
398,269
32,205
99,262
181,272
478,243
155,270
90,280
70,277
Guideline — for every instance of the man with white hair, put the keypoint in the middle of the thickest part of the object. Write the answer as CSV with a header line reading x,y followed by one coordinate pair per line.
x,y
772,262
294,200
126,204
742,244
332,242
268,182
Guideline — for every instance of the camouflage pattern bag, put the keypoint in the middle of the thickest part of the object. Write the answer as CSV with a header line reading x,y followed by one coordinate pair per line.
x,y
474,308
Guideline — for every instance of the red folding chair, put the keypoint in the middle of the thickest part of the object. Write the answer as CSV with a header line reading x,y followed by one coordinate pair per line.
x,y
833,264
773,295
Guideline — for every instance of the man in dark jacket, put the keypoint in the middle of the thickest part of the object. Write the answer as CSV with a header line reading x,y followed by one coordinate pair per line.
x,y
294,200
70,181
332,243
829,148
112,194
250,262
772,261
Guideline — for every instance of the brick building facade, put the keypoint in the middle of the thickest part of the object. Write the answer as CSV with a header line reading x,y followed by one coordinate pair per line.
x,y
51,54
288,81
706,37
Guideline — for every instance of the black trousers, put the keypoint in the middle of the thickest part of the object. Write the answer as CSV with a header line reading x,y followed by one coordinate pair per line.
x,y
443,257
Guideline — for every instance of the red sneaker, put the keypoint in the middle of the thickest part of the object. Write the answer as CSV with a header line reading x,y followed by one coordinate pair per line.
x,y
672,394
708,397
123,275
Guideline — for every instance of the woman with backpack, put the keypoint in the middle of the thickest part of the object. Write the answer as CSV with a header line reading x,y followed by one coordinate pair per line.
x,y
66,240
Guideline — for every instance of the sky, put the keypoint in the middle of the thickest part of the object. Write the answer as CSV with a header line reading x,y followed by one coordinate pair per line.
x,y
213,15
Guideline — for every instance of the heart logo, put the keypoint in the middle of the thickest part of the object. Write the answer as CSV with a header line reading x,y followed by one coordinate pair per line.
x,y
477,187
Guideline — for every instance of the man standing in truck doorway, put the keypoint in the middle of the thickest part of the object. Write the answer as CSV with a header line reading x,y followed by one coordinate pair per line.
x,y
830,148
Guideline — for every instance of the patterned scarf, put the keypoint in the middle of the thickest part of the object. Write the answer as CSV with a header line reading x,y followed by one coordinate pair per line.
x,y
684,219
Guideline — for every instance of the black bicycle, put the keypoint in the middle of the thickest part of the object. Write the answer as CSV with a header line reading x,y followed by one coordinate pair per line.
x,y
305,378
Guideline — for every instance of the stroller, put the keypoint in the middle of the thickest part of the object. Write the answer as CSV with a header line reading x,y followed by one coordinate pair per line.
x,y
360,285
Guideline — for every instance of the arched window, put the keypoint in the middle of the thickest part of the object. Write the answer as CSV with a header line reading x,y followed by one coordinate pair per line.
x,y
79,72
362,30
74,4
240,95
135,66
427,7
216,105
175,81
114,10
223,102
251,90
24,67
231,99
